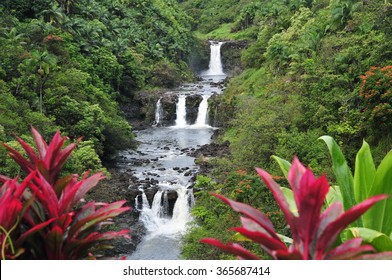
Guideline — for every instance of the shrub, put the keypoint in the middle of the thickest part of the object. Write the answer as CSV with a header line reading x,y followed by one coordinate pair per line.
x,y
376,93
313,233
43,217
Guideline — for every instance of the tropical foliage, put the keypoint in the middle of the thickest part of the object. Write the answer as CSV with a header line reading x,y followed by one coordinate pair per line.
x,y
375,225
43,217
67,65
313,233
311,68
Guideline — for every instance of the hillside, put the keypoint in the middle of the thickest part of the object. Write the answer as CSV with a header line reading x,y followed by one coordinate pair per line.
x,y
312,68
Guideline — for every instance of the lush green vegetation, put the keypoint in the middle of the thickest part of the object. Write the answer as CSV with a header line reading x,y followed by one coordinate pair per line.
x,y
311,68
66,65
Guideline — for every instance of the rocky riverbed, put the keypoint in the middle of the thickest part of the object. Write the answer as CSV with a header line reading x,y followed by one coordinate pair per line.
x,y
122,184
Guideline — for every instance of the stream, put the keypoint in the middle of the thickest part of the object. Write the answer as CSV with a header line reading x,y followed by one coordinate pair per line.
x,y
163,159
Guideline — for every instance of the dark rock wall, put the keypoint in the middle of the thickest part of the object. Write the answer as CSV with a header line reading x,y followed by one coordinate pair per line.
x,y
231,57
192,107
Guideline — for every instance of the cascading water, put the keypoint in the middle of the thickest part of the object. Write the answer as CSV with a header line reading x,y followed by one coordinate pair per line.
x,y
202,116
162,157
181,111
163,230
158,112
215,65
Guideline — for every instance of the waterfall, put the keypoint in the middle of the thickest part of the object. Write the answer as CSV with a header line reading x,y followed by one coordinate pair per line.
x,y
158,112
215,66
165,206
164,150
156,218
181,111
202,115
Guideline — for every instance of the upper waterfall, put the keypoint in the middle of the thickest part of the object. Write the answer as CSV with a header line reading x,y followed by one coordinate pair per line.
x,y
215,67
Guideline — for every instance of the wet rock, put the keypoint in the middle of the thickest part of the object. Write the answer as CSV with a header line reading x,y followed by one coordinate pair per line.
x,y
192,107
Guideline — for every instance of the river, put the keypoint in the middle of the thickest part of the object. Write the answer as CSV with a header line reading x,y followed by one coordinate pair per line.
x,y
163,159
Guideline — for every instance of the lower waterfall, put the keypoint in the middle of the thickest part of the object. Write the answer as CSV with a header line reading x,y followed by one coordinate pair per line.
x,y
202,116
156,217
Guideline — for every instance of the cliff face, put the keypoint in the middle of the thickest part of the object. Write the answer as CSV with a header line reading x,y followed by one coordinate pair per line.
x,y
140,111
231,57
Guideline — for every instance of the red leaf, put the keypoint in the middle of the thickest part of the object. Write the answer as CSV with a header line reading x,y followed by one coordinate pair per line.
x,y
333,229
294,176
4,179
63,156
19,159
32,231
40,143
250,212
311,195
280,199
104,213
53,150
267,242
86,185
349,250
287,255
378,256
70,179
53,243
47,195
231,248
29,150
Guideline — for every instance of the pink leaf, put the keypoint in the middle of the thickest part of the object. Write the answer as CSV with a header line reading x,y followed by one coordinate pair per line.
x,y
268,243
295,175
29,150
280,199
330,233
231,248
349,250
311,195
250,212
40,143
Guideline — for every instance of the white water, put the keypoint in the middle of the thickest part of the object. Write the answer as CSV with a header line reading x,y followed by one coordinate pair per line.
x,y
163,232
162,148
181,111
156,219
202,115
158,112
215,66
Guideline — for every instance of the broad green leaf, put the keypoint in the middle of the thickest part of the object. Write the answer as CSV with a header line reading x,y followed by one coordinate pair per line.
x,y
379,217
290,199
283,164
364,173
342,172
333,195
380,241
285,239
239,237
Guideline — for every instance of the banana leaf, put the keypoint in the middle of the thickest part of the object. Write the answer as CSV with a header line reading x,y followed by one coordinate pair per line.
x,y
343,174
380,241
380,216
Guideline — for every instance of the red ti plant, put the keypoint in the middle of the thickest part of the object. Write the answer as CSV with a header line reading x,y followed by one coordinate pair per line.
x,y
53,225
313,233
11,206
